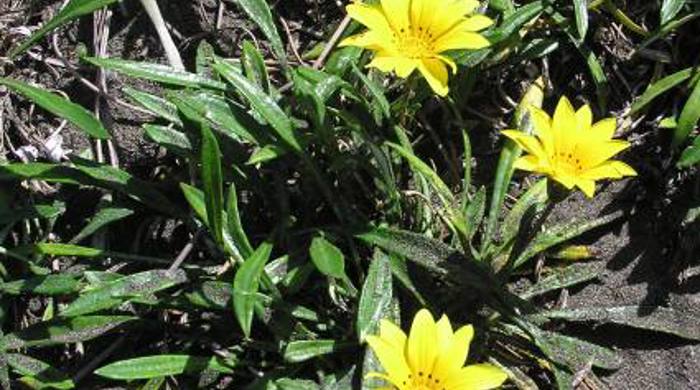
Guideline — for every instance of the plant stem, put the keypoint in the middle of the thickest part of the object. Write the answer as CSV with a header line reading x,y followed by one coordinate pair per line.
x,y
166,40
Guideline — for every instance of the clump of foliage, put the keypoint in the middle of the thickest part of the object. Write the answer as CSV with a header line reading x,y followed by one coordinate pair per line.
x,y
301,209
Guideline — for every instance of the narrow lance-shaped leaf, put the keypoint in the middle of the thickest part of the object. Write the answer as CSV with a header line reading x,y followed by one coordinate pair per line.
x,y
38,374
246,284
119,291
59,106
581,10
234,223
260,13
212,180
63,331
103,218
669,10
376,296
73,10
657,88
156,72
691,156
510,153
262,103
688,119
148,367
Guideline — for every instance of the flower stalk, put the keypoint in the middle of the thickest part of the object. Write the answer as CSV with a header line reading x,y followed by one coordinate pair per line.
x,y
171,51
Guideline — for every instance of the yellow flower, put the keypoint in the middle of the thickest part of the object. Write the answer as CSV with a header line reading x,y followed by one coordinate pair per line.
x,y
431,358
413,34
570,149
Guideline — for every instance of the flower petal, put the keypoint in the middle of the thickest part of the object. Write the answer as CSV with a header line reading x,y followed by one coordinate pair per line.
x,y
456,39
604,130
476,377
435,73
592,153
447,16
401,65
586,186
392,359
451,360
422,344
397,13
609,170
532,163
564,126
543,128
369,15
584,120
531,144
392,334
476,23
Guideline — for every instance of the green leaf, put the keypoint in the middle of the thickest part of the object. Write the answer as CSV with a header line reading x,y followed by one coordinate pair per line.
x,y
59,106
688,119
327,258
581,10
228,119
559,234
681,323
246,284
660,87
58,249
113,294
157,105
212,181
73,10
38,374
535,197
474,214
262,103
156,72
669,10
303,350
376,297
63,331
175,141
103,218
510,153
425,251
234,223
254,66
148,367
259,12
424,169
42,285
691,155
574,353
563,278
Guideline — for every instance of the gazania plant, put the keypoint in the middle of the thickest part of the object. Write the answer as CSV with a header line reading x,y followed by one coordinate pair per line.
x,y
432,356
415,35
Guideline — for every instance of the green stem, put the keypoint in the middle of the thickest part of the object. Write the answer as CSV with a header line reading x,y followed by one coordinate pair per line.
x,y
624,19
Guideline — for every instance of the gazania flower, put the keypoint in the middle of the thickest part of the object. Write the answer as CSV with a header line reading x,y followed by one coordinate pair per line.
x,y
414,34
570,149
431,357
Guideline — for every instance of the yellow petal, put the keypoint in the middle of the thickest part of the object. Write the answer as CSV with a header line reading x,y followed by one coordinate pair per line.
x,y
604,130
543,128
451,361
444,334
366,40
401,65
447,16
370,16
392,334
422,344
392,359
422,13
476,23
584,119
449,62
609,170
564,126
435,73
397,13
455,40
531,144
532,163
593,153
586,186
476,377
564,179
